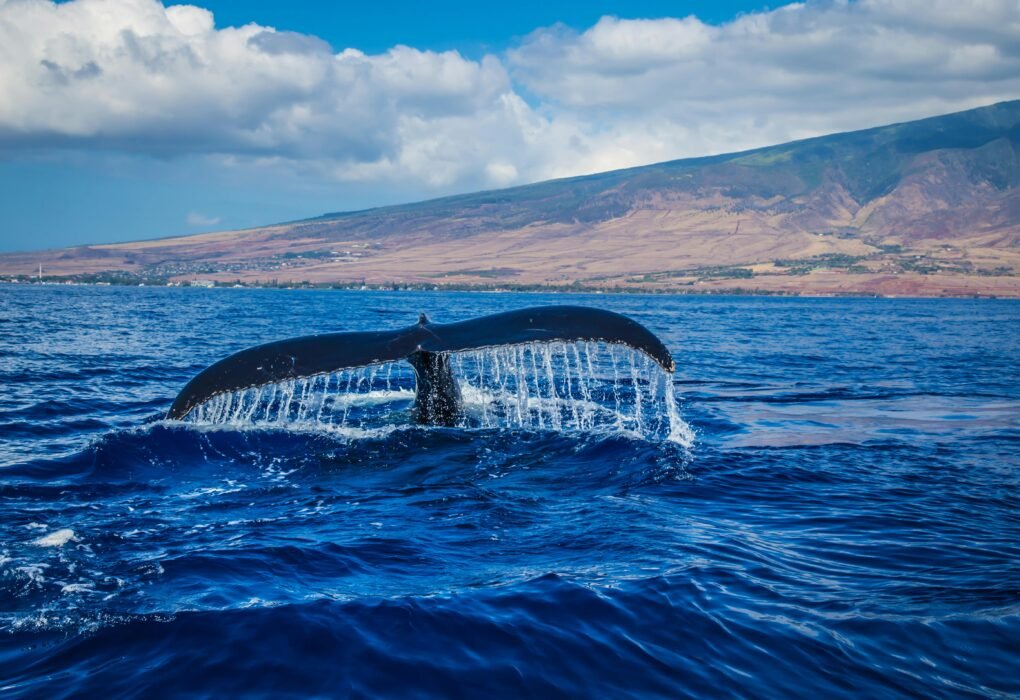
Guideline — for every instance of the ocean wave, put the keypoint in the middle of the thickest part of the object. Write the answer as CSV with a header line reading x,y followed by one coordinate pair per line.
x,y
835,516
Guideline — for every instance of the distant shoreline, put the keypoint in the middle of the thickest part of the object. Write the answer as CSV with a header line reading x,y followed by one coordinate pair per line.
x,y
503,289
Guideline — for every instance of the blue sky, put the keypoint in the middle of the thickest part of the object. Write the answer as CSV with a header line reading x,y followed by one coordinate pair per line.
x,y
468,26
130,119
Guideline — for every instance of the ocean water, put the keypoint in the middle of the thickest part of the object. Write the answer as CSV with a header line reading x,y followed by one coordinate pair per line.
x,y
830,512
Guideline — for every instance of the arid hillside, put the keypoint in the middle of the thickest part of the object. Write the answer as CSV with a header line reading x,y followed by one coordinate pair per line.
x,y
930,207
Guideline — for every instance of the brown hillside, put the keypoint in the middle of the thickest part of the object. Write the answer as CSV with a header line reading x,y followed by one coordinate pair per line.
x,y
924,208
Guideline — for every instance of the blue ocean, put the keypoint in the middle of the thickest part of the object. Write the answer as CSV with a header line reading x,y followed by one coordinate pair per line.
x,y
820,502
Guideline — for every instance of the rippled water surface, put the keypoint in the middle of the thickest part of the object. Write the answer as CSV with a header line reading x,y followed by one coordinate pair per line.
x,y
843,524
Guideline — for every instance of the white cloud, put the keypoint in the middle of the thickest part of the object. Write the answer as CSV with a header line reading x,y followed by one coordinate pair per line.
x,y
135,76
666,88
194,218
132,75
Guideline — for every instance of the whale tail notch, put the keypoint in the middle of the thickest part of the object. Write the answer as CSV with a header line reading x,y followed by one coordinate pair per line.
x,y
424,345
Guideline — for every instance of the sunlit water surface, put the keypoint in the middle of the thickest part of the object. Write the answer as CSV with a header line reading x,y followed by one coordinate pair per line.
x,y
831,511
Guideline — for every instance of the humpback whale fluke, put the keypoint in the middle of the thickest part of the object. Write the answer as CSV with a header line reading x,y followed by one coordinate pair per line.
x,y
424,345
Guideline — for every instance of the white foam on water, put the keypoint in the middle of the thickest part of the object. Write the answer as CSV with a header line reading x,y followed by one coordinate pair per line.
x,y
587,387
33,572
77,588
57,538
212,491
348,432
373,398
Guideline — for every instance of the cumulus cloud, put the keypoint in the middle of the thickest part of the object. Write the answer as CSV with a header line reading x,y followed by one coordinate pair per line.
x,y
801,70
137,76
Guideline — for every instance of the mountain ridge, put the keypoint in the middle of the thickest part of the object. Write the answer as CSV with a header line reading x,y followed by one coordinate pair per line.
x,y
927,207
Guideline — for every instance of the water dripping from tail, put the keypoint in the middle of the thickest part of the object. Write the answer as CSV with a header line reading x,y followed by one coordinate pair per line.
x,y
587,387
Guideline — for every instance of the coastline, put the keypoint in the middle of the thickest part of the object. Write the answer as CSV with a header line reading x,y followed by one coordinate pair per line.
x,y
573,288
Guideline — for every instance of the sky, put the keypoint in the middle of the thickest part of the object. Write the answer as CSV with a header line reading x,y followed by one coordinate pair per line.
x,y
131,119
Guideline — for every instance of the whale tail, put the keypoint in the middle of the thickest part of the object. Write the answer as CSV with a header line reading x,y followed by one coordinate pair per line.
x,y
424,345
